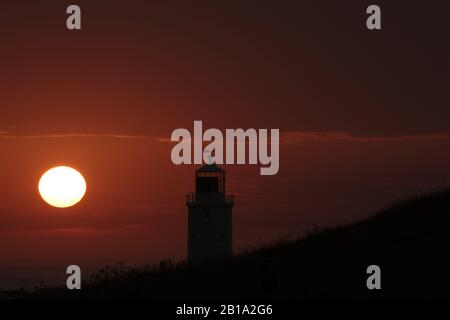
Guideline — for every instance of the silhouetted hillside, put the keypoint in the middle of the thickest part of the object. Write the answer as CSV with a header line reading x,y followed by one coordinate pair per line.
x,y
409,241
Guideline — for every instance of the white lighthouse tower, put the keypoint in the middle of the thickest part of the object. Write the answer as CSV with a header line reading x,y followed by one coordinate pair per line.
x,y
209,216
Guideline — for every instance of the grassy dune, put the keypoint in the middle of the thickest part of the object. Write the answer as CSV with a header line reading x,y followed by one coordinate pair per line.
x,y
410,242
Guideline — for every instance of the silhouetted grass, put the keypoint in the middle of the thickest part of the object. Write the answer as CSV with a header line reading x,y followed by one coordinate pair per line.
x,y
409,241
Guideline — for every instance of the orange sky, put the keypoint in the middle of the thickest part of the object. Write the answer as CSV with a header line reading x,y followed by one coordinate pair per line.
x,y
363,118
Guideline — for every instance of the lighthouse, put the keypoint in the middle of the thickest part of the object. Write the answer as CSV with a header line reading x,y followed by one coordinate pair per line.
x,y
209,216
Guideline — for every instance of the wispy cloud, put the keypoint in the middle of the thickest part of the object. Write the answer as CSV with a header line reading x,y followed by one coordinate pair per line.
x,y
8,135
286,137
294,137
76,230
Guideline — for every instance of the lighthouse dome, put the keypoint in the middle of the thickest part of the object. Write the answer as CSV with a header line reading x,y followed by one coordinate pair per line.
x,y
210,168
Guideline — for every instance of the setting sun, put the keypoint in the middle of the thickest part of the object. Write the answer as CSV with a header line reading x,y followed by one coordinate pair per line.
x,y
62,187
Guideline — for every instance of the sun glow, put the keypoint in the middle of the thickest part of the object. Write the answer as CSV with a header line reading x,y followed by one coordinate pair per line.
x,y
62,187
